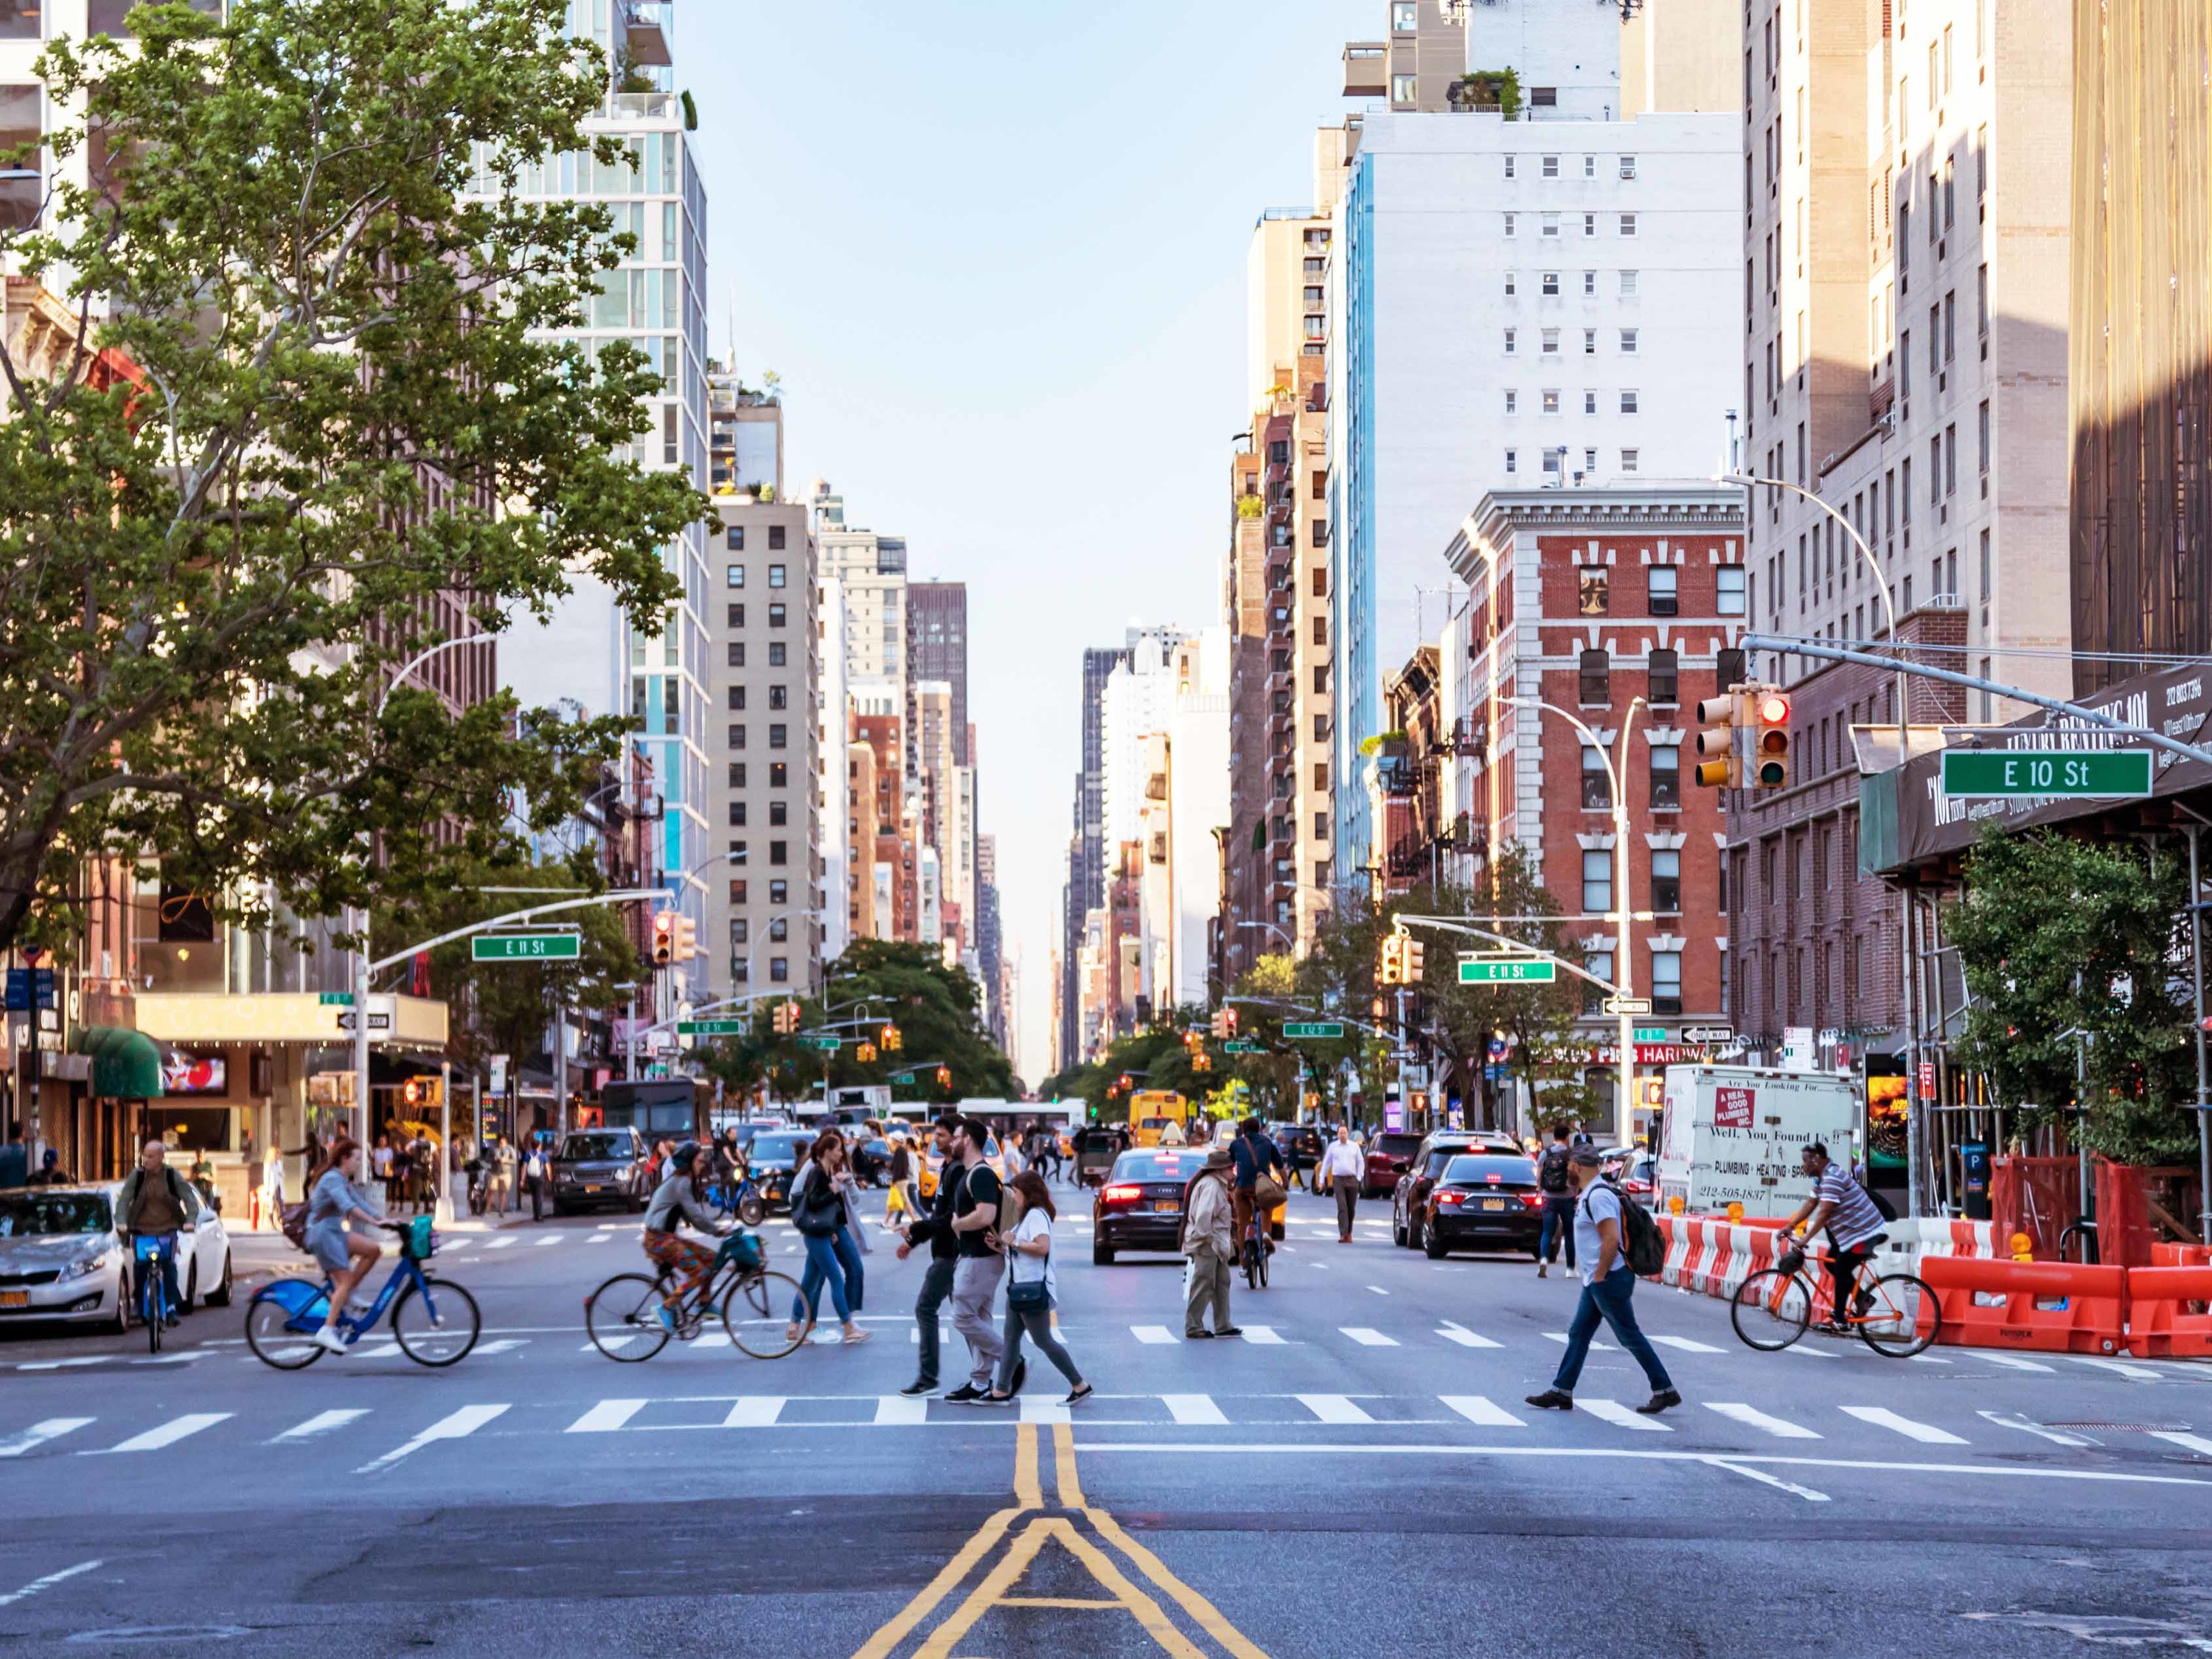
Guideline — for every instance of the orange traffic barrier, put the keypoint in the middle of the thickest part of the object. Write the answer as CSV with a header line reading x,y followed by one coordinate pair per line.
x,y
2046,1306
2181,1255
2166,1312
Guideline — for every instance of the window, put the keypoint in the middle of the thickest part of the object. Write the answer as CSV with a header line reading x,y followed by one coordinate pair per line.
x,y
1320,631
734,539
1628,460
1509,166
1404,89
1320,826
1589,167
776,697
1666,982
1597,790
736,697
1512,400
1510,279
1599,963
1628,343
1666,776
779,852
1589,284
778,892
1551,342
779,775
736,616
1544,97
779,736
737,815
1667,882
776,615
1597,678
1729,591
736,774
1985,572
1551,166
1628,167
737,883
1550,224
1551,400
736,574
1550,283
1404,15
737,856
1628,224
779,812
1589,224
775,539
1589,342
1591,585
1512,340
1590,461
736,736
1512,460
737,654
1628,402
775,575
776,654
1589,401
1597,882
1320,587
1662,676
1666,583
1509,224
779,969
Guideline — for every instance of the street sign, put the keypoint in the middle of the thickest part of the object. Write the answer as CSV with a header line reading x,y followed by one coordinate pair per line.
x,y
1494,1073
377,1022
1497,1047
828,1045
710,1028
1241,1046
1706,1034
1927,1079
1634,1006
1316,1030
1507,970
1650,1034
335,998
29,987
526,947
2125,773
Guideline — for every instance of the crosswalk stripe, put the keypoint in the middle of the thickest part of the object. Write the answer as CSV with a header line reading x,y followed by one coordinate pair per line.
x,y
450,1242
500,1244
499,1346
1612,1412
1042,1408
913,1335
606,1417
1476,1409
383,1348
458,1426
1752,1417
1596,1346
1193,1408
1464,1337
1151,1333
1367,1337
167,1434
65,1364
754,1412
898,1408
1882,1417
1332,1408
1687,1346
2117,1367
550,1238
2196,1442
321,1424
1266,1336
2013,1362
54,1428
2035,1429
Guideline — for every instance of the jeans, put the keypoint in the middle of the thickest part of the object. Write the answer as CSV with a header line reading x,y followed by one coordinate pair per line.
x,y
821,1266
1558,1224
1607,1300
936,1286
1037,1321
1348,1204
848,1258
975,1287
1209,1282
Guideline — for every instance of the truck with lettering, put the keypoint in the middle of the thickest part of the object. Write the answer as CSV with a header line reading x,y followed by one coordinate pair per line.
x,y
1735,1134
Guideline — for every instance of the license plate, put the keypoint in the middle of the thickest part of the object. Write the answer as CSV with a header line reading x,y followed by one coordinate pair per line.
x,y
1168,1207
1493,1203
14,1299
591,1189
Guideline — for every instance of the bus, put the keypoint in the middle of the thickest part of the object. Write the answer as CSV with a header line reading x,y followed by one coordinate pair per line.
x,y
660,1108
1151,1111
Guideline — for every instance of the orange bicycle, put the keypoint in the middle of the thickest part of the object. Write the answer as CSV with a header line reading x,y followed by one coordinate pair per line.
x,y
1894,1314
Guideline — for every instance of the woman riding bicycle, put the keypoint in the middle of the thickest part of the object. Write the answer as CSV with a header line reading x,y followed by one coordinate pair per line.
x,y
333,1200
681,1197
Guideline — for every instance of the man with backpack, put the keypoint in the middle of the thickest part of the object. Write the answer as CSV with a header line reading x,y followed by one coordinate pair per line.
x,y
1615,1239
981,1207
1558,1193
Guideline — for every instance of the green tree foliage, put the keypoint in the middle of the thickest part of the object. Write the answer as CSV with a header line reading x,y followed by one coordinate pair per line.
x,y
2057,935
337,406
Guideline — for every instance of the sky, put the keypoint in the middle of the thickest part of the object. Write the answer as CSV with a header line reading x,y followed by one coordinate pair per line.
x,y
996,250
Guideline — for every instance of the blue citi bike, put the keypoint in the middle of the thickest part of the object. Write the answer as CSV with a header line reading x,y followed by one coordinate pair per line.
x,y
433,1320
154,1256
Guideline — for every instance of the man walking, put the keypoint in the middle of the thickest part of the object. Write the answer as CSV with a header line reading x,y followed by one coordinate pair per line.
x,y
944,1258
1209,1246
976,1272
502,1175
1558,1191
1607,1284
1342,1171
533,1176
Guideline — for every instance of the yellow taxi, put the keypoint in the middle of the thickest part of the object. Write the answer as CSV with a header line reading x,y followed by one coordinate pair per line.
x,y
932,1161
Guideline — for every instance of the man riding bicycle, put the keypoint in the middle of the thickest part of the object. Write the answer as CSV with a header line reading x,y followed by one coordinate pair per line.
x,y
1854,1225
151,1204
681,1197
1252,1155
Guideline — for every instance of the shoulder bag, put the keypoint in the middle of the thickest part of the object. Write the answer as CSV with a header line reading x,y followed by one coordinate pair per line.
x,y
1025,1295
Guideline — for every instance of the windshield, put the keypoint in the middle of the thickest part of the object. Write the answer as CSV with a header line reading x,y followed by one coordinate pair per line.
x,y
45,1215
1490,1171
778,1148
579,1147
1157,1166
1398,1145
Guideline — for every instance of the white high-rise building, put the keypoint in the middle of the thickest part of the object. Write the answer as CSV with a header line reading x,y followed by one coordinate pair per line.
x,y
834,746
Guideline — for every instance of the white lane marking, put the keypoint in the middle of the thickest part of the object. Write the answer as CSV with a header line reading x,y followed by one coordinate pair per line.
x,y
754,1412
1596,1346
1453,1332
1751,1416
1766,1480
2013,1362
169,1360
458,1426
1042,1408
383,1348
65,1364
1612,1412
1367,1337
1804,1353
1318,1267
1926,1359
321,1424
501,1345
2117,1367
1332,1408
550,1238
2196,1442
1155,1334
500,1244
54,1428
1265,1335
913,1336
1476,1409
2021,1423
1193,1408
46,1582
166,1435
1686,1344
901,1409
1378,1290
1882,1417
606,1417
452,1241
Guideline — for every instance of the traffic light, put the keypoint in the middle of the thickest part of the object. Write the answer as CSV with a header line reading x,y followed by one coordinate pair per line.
x,y
945,1077
787,1016
1770,753
664,938
865,1054
891,1039
1717,719
1393,959
687,939
1411,953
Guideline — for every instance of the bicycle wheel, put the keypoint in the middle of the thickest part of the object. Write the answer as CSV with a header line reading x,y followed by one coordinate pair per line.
x,y
439,1339
153,1304
1264,1253
1902,1316
269,1333
757,1314
752,1210
1251,1265
623,1318
1770,1309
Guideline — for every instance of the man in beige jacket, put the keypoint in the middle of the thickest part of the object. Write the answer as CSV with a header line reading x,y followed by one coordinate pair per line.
x,y
1208,1240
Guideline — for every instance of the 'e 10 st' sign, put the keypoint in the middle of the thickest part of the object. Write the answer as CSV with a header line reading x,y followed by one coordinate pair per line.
x,y
2119,773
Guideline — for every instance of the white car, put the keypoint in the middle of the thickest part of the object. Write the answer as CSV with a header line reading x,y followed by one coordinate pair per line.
x,y
60,1258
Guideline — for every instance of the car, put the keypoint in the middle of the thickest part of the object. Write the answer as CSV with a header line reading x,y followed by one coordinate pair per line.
x,y
1483,1201
1300,1144
1633,1170
1139,1205
773,1154
871,1161
1409,1198
61,1257
1388,1155
594,1168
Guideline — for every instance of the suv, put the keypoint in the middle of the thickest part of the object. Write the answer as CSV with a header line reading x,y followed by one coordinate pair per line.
x,y
599,1166
1409,1201
1300,1144
1388,1154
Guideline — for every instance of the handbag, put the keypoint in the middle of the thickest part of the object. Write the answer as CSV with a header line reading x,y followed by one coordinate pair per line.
x,y
1025,1295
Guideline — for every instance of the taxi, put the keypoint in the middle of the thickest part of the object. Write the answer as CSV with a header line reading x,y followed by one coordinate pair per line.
x,y
933,1161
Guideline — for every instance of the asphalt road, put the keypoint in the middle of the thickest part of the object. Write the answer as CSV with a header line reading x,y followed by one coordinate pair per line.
x,y
1358,1475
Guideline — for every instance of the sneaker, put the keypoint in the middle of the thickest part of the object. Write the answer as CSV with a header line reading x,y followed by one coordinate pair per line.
x,y
1552,1400
668,1319
966,1395
1231,1330
1543,1270
994,1398
1077,1394
919,1386
1199,1335
1659,1402
329,1339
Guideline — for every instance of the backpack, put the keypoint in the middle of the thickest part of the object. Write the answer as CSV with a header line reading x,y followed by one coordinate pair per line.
x,y
1010,1204
1639,1238
1888,1210
295,1223
1552,1171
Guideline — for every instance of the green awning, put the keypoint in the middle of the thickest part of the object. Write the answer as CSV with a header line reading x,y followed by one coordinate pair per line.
x,y
126,1065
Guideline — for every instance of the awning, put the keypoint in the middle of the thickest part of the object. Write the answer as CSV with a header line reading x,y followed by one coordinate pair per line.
x,y
125,1064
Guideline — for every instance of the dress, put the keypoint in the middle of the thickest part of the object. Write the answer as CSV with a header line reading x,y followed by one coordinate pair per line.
x,y
333,1199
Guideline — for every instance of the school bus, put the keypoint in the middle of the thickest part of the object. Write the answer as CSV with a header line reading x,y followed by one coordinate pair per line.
x,y
1151,1111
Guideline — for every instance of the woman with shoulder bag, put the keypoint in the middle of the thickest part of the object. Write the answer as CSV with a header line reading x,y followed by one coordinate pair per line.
x,y
1030,1291
817,1210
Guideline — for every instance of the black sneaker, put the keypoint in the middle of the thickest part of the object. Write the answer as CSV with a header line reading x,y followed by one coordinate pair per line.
x,y
1199,1334
966,1393
1665,1398
1021,1376
919,1386
1231,1330
1552,1400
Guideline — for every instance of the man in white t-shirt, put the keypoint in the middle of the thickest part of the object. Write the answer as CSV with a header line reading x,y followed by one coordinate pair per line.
x,y
1343,1171
1608,1283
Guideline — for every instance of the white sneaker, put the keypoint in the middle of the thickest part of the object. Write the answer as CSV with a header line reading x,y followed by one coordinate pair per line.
x,y
328,1338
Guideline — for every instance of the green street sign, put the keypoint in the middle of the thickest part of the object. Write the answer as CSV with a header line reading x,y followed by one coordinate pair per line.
x,y
1650,1034
1318,1031
710,1028
2015,773
334,1000
828,1045
1240,1046
1507,970
526,947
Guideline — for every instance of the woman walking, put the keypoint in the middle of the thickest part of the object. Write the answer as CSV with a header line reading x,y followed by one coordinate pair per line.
x,y
818,1194
1032,1291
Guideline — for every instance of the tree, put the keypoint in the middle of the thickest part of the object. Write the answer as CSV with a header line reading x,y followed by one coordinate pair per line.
x,y
303,243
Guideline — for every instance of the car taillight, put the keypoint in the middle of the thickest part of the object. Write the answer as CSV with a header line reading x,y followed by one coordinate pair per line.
x,y
1122,1195
1533,1200
1451,1198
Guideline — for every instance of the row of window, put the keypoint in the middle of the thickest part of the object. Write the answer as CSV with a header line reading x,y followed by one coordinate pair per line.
x,y
1550,286
1662,676
776,650
1665,988
1552,400
1555,459
1548,166
778,697
1666,778
779,775
1662,589
778,736
1547,224
778,814
741,929
1665,883
778,575
779,852
1547,345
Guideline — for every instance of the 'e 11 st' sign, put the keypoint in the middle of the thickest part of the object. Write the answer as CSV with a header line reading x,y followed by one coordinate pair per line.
x,y
2000,773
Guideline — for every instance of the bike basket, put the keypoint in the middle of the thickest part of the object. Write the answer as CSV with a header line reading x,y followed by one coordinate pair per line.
x,y
742,1248
417,1241
1792,1262
148,1249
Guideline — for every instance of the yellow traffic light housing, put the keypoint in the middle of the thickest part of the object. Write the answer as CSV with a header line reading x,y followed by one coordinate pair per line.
x,y
865,1054
945,1077
1718,718
890,1039
687,939
664,938
1393,959
1411,954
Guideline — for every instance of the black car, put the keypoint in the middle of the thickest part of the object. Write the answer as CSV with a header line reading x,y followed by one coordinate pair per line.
x,y
596,1167
872,1160
1139,1207
1300,1144
773,1154
1410,1199
1483,1201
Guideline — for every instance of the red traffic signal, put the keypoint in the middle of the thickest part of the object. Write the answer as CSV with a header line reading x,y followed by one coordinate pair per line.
x,y
664,938
1771,743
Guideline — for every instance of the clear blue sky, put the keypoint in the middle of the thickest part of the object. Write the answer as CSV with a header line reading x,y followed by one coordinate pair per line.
x,y
995,248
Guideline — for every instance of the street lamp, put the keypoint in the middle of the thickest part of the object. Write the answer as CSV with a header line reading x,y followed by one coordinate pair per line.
x,y
1273,928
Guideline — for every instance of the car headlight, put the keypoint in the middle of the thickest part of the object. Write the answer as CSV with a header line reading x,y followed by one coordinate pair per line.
x,y
84,1267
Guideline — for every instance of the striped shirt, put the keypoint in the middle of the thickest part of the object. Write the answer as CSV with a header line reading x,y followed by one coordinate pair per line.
x,y
1853,1219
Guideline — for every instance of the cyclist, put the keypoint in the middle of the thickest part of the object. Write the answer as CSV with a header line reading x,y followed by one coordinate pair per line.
x,y
1854,1226
151,1204
333,1200
681,1197
1252,1155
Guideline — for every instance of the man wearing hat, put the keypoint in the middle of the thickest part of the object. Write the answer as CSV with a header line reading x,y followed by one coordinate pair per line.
x,y
1607,1284
1207,1240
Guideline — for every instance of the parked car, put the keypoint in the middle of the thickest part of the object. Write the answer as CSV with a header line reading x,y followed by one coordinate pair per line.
x,y
1388,1155
1633,1170
595,1168
773,1156
1300,1144
1140,1206
61,1258
1483,1201
1409,1198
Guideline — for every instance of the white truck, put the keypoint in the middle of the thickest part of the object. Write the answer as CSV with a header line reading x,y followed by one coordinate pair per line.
x,y
1735,1134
